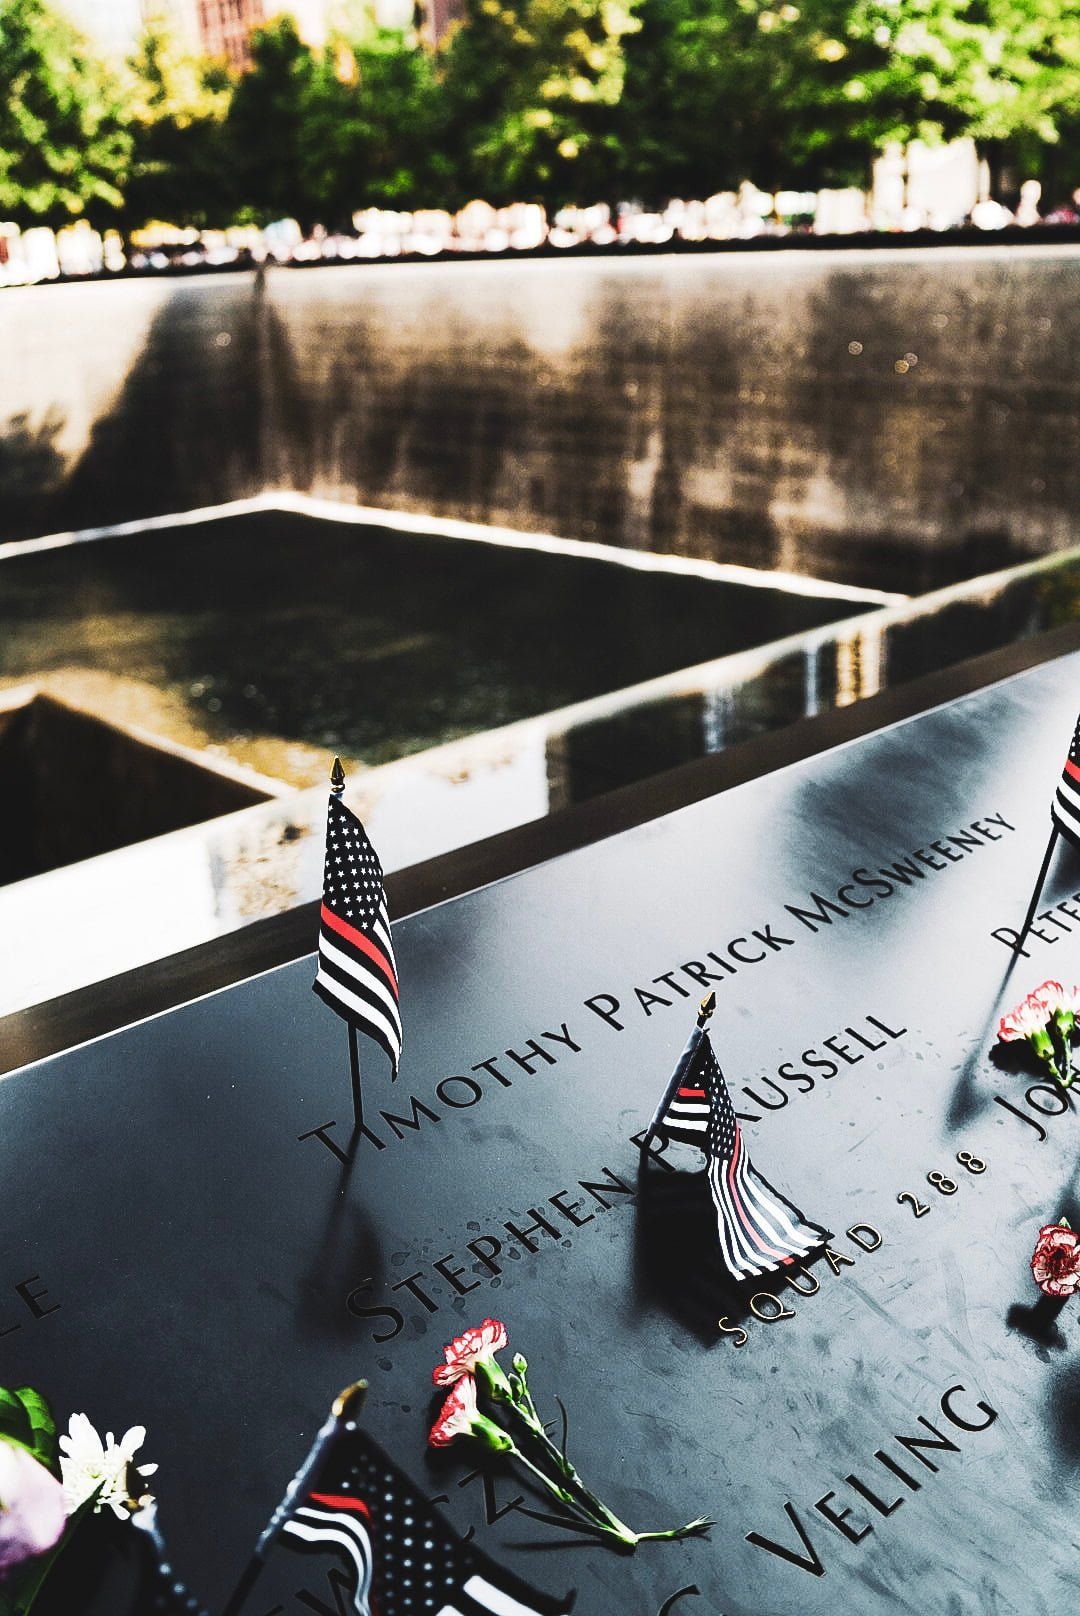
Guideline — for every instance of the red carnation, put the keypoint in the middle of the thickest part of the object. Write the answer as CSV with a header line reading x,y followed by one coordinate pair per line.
x,y
1056,1260
460,1416
477,1347
457,1415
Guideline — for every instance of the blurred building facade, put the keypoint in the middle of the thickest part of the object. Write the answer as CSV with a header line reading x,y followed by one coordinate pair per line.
x,y
438,17
225,27
222,28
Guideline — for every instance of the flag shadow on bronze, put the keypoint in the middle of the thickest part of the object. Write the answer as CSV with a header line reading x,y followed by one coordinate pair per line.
x,y
677,1262
353,1536
752,1229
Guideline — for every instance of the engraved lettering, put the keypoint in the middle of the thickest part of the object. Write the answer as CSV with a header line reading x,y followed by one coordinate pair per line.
x,y
808,1562
469,1084
540,1225
453,1275
353,1306
563,1037
958,1419
607,1015
413,1286
418,1108
839,1518
911,1443
782,1311
323,1133
527,1061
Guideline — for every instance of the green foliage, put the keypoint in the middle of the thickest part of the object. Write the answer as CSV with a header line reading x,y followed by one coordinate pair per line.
x,y
545,100
26,1419
1029,96
806,92
376,134
176,110
267,124
532,88
63,145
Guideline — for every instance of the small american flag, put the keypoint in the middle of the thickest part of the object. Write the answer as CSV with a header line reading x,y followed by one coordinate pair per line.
x,y
1065,807
759,1229
357,971
371,1543
338,1525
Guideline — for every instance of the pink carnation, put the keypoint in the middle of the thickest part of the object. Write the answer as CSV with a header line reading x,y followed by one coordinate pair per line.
x,y
457,1415
1049,997
32,1513
478,1345
1023,1022
1056,1260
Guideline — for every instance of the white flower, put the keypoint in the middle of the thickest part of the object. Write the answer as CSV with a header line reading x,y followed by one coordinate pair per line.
x,y
88,1466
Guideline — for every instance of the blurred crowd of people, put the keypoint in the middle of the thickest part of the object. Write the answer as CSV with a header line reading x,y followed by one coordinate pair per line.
x,y
78,251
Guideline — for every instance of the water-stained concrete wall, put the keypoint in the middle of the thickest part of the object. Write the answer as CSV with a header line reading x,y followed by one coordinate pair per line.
x,y
896,417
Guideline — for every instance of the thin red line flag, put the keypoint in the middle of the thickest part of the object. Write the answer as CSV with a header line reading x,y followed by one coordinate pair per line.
x,y
760,1230
357,971
1065,808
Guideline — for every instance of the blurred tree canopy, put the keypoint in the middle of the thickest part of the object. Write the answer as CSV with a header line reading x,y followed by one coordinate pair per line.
x,y
547,100
533,89
63,141
175,115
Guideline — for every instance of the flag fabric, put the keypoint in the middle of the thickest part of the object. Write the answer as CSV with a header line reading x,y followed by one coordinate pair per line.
x,y
357,971
1065,808
760,1230
325,1523
373,1546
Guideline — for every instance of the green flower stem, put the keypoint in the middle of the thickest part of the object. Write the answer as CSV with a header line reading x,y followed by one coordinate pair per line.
x,y
491,1435
525,1409
490,1376
1065,1021
691,1529
1043,1046
608,1522
580,1516
585,1499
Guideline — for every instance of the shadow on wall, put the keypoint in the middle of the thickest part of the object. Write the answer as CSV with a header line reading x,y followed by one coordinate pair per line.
x,y
31,470
182,430
898,423
894,420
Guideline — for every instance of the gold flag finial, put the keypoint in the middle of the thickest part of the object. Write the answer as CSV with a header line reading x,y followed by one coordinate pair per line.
x,y
706,1008
351,1400
337,778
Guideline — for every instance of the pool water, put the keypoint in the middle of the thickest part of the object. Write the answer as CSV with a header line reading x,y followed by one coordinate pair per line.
x,y
276,638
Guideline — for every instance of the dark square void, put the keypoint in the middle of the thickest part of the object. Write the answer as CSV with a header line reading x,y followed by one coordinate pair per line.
x,y
364,639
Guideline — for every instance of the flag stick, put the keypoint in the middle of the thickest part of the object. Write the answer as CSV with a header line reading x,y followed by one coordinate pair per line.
x,y
347,1405
705,1010
357,1091
1040,883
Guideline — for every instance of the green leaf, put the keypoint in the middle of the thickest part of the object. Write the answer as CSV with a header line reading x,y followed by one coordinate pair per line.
x,y
42,1425
15,1422
26,1419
